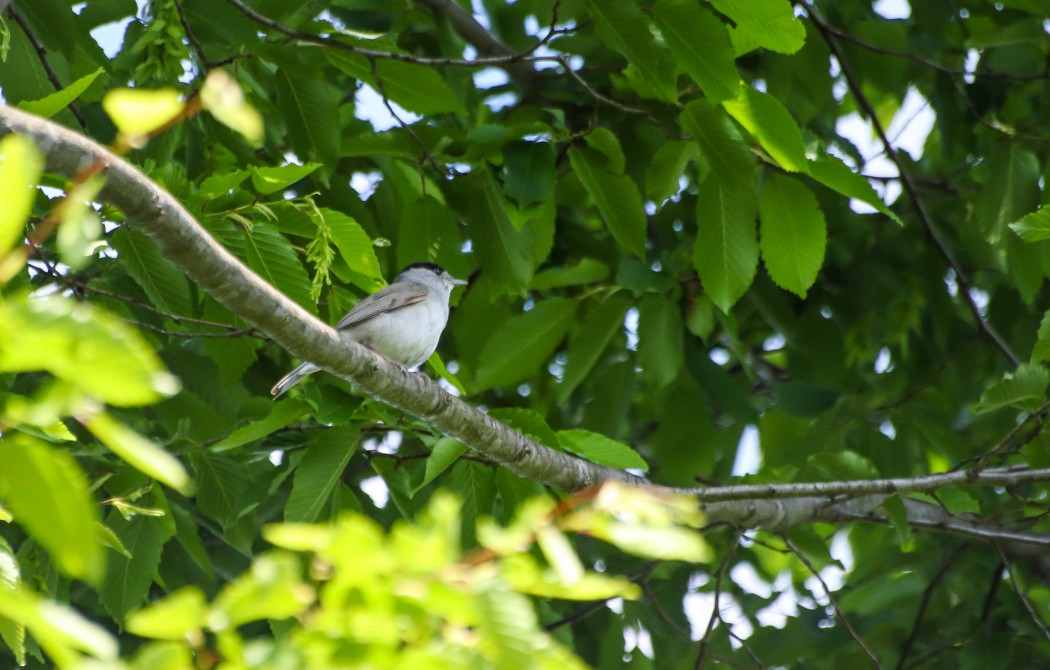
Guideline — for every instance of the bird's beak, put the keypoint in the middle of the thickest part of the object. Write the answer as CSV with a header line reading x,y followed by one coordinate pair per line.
x,y
458,282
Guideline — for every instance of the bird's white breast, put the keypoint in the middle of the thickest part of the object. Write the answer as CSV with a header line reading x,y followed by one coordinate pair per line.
x,y
408,335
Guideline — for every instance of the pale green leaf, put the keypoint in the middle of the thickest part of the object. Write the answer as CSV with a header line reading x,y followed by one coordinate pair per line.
x,y
272,179
138,111
701,46
524,342
172,618
319,472
771,124
443,454
605,142
793,234
164,284
667,543
1035,227
310,108
616,197
48,495
770,24
600,449
1010,192
140,453
270,589
220,482
1024,388
222,96
726,251
20,166
59,100
74,341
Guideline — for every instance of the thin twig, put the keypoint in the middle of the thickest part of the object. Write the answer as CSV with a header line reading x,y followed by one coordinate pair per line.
x,y
723,567
1038,620
834,602
194,42
908,184
927,597
426,157
41,52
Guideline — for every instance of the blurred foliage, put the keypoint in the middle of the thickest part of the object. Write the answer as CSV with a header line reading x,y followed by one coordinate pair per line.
x,y
675,228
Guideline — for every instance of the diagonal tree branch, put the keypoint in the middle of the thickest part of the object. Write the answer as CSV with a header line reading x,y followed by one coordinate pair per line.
x,y
214,269
908,184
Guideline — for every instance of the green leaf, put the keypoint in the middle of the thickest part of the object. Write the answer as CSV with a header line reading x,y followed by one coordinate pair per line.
x,y
220,482
897,514
428,233
164,284
48,494
607,144
720,143
793,234
417,88
625,29
663,179
587,271
1024,388
726,251
138,111
59,100
319,472
443,454
222,96
528,171
20,166
504,253
268,180
616,197
310,108
355,246
836,175
74,341
770,24
528,422
271,589
660,341
12,632
843,465
800,398
272,257
771,124
281,414
1012,190
475,484
172,618
1035,227
701,46
139,452
588,342
1041,350
600,449
128,581
524,342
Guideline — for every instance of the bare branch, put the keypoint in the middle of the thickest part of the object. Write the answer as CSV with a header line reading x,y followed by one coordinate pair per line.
x,y
41,53
1036,618
908,184
834,603
927,596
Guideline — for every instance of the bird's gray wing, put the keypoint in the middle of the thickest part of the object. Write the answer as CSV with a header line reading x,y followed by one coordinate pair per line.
x,y
385,300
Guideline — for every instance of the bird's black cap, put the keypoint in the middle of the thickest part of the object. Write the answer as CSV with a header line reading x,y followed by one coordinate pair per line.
x,y
433,267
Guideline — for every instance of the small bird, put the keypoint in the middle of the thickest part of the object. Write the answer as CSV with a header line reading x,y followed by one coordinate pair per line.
x,y
403,321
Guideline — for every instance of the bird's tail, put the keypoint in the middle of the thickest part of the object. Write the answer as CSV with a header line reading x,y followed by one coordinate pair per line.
x,y
292,378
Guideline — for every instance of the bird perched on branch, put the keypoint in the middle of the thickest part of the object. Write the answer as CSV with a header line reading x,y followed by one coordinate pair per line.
x,y
403,321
